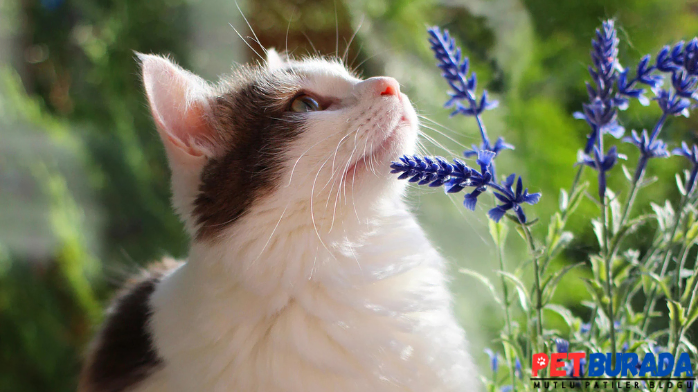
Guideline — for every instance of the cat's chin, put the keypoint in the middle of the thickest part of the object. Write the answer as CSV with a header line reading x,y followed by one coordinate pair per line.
x,y
377,160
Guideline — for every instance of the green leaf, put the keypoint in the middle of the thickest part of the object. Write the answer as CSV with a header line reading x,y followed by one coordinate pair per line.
x,y
689,346
629,228
679,184
520,288
626,173
598,267
692,315
647,284
676,315
598,293
620,294
522,233
598,230
662,282
647,182
485,281
559,243
664,215
564,200
498,231
689,283
554,228
615,211
577,196
565,313
691,234
550,283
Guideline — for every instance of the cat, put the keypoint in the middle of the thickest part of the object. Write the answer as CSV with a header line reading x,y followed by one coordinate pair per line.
x,y
306,272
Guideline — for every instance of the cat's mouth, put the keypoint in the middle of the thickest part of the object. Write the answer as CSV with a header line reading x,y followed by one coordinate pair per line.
x,y
374,157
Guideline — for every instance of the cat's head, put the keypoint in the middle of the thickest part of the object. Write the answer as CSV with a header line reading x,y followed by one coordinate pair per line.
x,y
308,135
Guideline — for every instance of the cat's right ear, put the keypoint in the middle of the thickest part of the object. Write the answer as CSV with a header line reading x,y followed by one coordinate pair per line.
x,y
179,102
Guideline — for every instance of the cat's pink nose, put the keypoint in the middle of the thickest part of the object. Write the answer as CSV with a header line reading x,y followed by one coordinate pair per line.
x,y
385,86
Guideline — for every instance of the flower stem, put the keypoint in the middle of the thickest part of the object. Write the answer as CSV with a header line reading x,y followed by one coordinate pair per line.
x,y
609,277
651,300
539,293
507,316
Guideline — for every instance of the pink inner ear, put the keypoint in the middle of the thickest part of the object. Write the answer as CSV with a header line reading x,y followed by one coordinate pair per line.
x,y
178,101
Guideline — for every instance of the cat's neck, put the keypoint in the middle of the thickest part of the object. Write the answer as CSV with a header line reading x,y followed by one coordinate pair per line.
x,y
281,249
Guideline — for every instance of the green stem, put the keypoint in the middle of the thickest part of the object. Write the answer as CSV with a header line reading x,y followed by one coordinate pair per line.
x,y
539,294
507,316
609,278
677,275
649,307
575,182
631,198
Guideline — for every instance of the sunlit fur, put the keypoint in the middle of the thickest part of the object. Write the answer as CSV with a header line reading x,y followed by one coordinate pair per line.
x,y
326,284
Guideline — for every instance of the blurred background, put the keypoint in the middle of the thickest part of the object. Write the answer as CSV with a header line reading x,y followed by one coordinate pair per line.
x,y
84,183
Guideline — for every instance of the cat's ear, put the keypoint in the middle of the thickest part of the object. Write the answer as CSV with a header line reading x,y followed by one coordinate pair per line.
x,y
179,102
275,60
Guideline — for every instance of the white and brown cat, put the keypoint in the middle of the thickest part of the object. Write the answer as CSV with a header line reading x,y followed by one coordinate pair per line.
x,y
307,272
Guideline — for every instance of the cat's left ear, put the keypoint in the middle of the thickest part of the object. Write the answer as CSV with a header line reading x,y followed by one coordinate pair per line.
x,y
275,60
179,102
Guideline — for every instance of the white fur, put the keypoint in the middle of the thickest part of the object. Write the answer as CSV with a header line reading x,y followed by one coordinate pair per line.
x,y
329,284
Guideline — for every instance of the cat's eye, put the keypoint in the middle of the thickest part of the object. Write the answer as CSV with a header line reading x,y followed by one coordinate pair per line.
x,y
303,104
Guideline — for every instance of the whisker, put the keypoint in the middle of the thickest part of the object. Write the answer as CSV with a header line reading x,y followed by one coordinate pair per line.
x,y
251,29
444,135
246,43
356,57
346,50
299,158
437,144
270,236
336,29
288,28
312,209
310,42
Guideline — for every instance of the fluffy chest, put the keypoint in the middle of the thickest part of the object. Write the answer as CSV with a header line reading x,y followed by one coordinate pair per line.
x,y
381,325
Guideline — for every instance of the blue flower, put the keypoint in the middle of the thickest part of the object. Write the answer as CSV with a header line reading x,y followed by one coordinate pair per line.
x,y
604,56
585,327
602,164
672,103
433,171
600,113
600,117
562,345
626,85
499,145
512,199
670,58
455,69
478,180
684,84
649,149
692,155
506,388
456,176
690,57
494,359
517,369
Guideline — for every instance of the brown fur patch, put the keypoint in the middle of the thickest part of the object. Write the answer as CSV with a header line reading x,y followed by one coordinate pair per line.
x,y
253,118
123,355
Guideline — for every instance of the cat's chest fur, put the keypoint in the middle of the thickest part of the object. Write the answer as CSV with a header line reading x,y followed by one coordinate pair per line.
x,y
376,318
